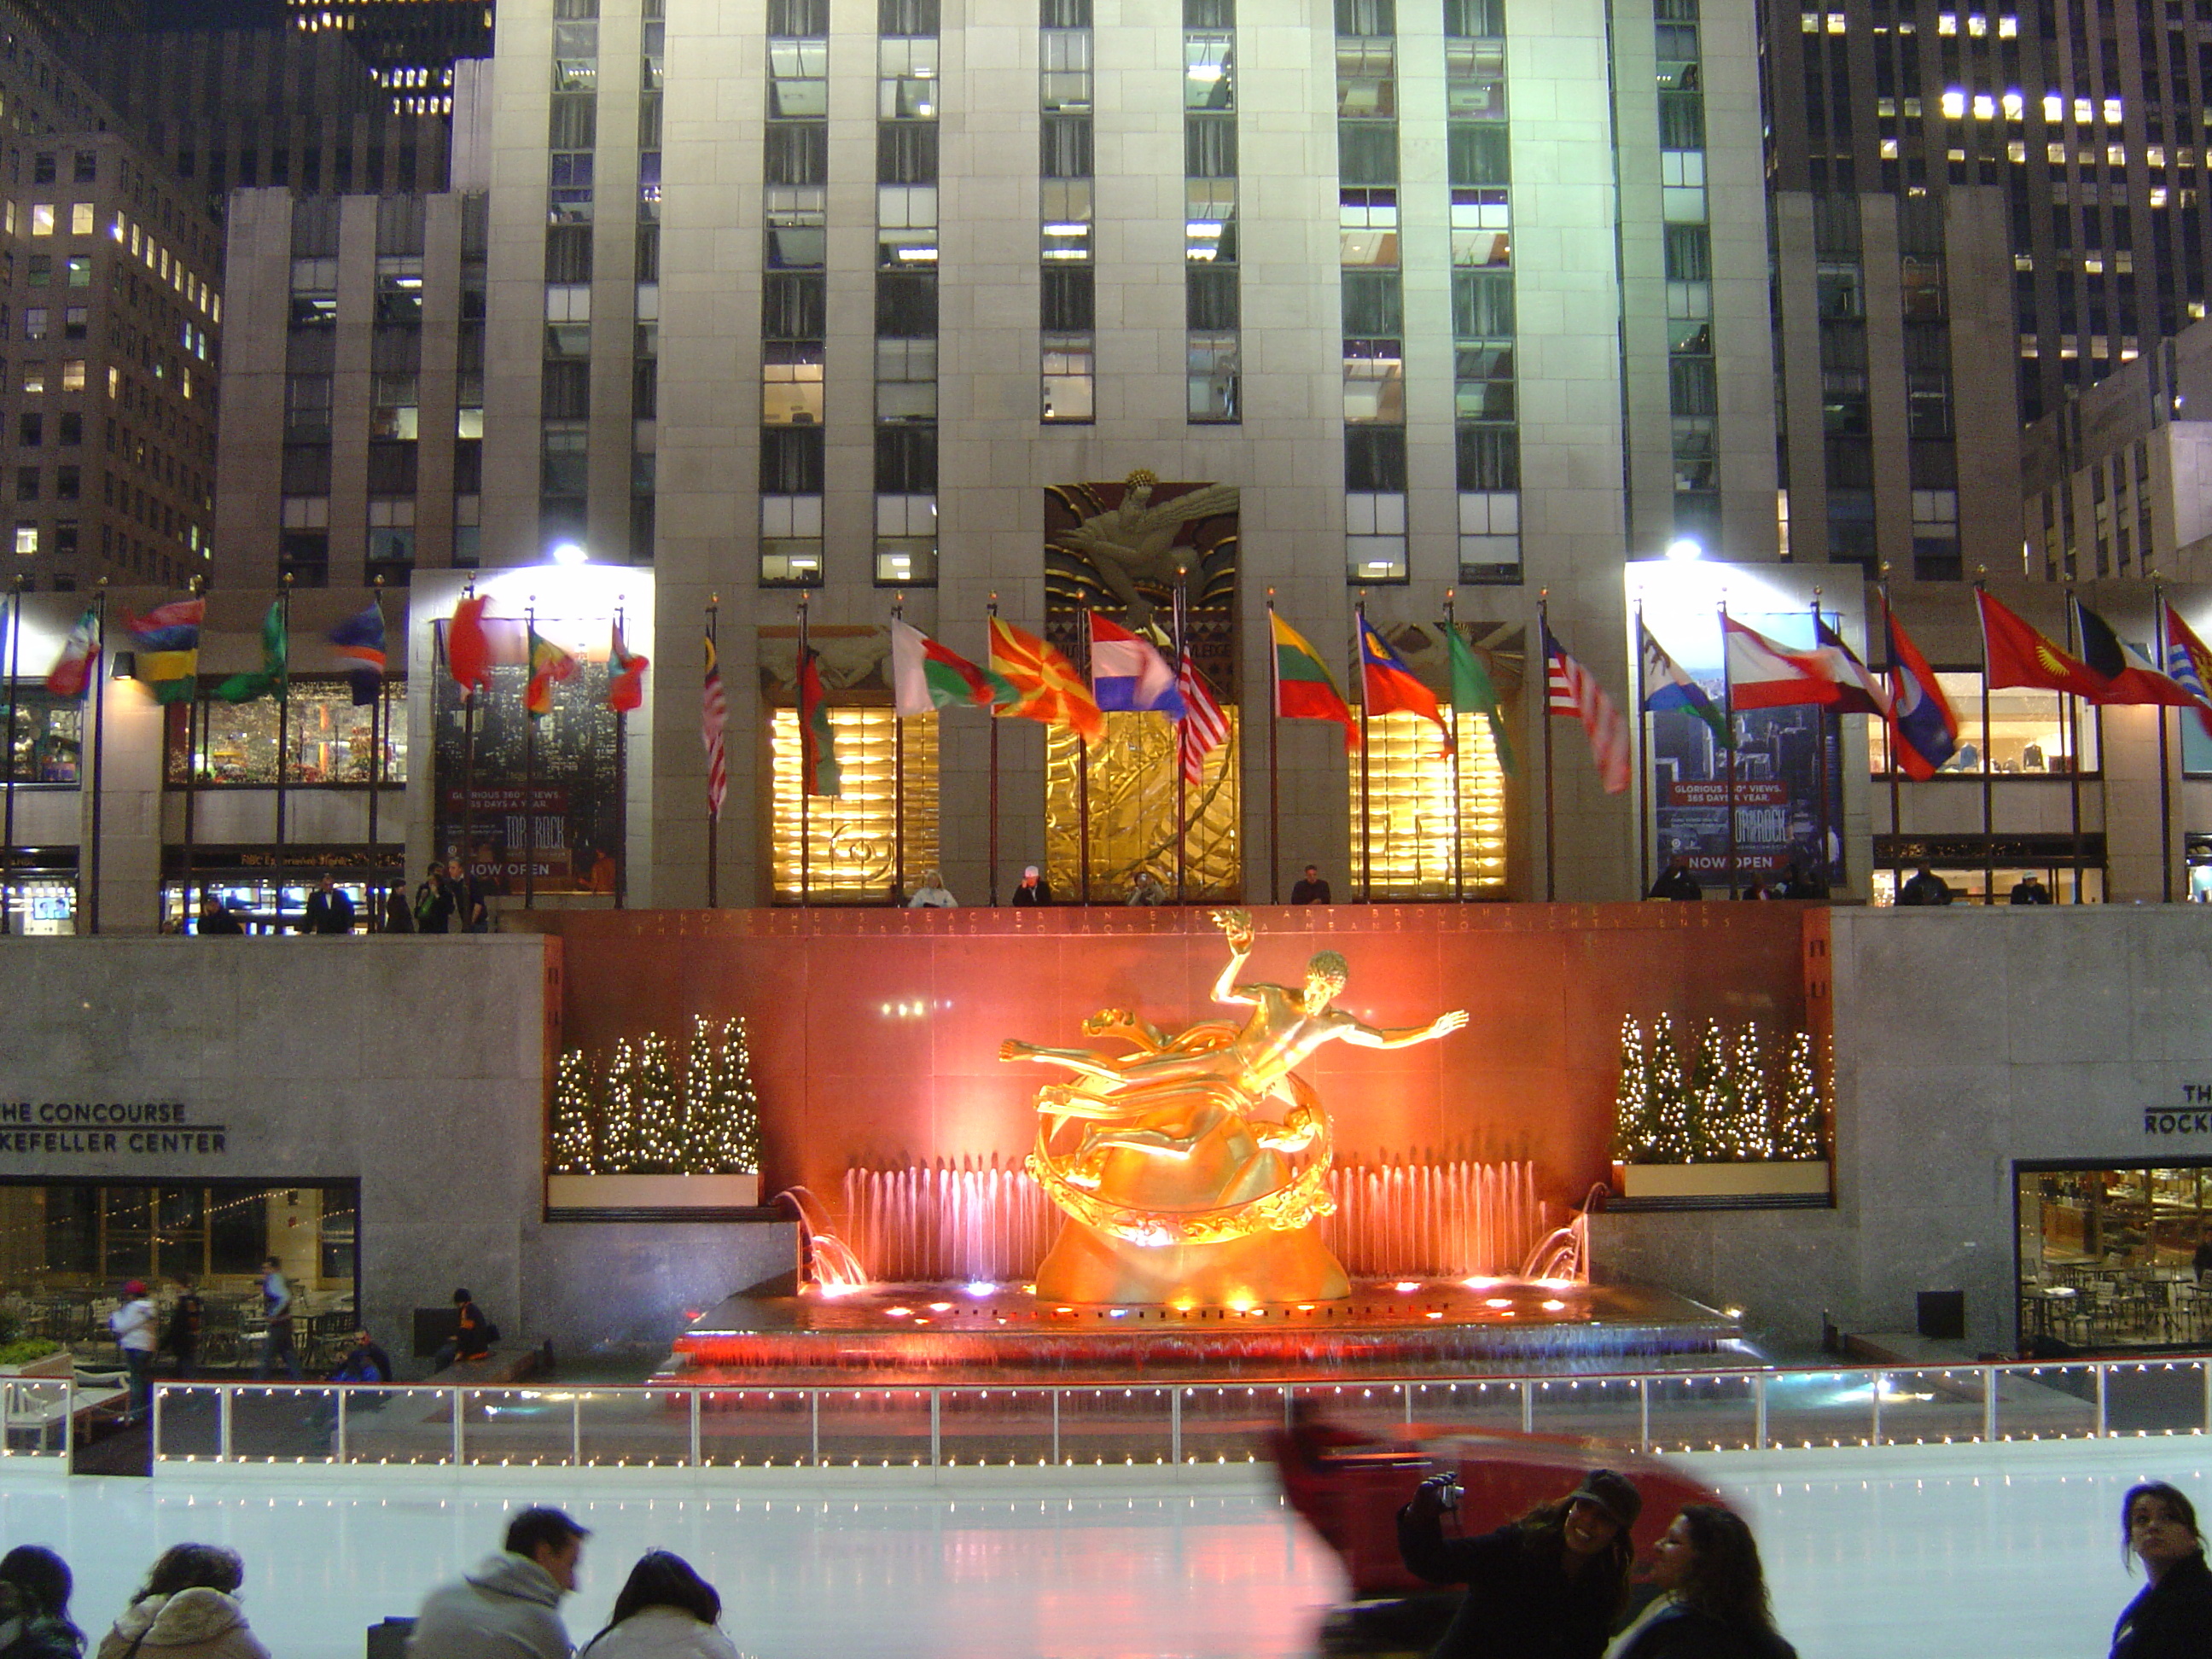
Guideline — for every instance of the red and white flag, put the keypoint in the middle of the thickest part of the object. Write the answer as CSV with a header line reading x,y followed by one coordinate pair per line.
x,y
1203,727
713,715
1571,691
1765,673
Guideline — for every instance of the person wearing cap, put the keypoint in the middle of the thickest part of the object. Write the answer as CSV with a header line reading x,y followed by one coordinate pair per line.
x,y
1032,889
1548,1586
134,1324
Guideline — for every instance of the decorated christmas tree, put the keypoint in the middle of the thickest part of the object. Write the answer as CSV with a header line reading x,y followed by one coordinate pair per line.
x,y
1710,1099
1672,1139
657,1123
1739,1132
575,1116
1635,1124
618,1144
1797,1113
723,1130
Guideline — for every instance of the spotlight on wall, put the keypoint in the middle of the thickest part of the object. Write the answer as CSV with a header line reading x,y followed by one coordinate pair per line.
x,y
1684,547
570,553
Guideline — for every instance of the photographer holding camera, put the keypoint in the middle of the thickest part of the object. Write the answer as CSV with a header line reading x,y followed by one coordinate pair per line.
x,y
1548,1586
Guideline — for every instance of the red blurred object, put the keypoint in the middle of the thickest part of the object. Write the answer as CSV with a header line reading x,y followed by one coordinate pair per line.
x,y
1350,1489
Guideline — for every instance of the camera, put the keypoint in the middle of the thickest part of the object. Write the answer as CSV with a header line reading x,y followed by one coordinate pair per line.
x,y
1446,1487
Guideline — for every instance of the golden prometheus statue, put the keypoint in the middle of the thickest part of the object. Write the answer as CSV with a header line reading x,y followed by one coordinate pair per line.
x,y
1176,1189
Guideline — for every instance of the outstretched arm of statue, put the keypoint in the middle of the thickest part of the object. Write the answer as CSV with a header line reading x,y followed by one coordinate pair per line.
x,y
1236,927
1080,1060
1373,1036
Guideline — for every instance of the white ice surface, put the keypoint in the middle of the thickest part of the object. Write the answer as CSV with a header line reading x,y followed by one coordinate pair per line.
x,y
1989,1552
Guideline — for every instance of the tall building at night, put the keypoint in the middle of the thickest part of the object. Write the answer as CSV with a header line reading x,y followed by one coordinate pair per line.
x,y
409,47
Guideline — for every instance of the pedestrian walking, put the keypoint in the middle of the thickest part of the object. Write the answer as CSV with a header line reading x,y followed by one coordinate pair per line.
x,y
2172,1617
665,1610
1712,1600
187,1609
134,1323
510,1607
277,1307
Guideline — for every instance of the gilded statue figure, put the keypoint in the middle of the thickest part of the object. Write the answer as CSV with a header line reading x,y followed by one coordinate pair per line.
x,y
1177,1187
1134,541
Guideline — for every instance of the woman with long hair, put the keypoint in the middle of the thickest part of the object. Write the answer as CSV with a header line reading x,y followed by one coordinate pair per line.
x,y
35,1595
1711,1602
187,1609
665,1610
2171,1618
1547,1586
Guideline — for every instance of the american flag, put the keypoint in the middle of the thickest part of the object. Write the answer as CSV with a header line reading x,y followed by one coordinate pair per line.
x,y
1204,727
1572,691
713,715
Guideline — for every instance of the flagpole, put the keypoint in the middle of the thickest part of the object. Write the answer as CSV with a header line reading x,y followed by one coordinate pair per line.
x,y
379,733
799,702
1819,755
90,902
1889,746
898,780
2165,765
7,832
1083,792
713,887
1274,758
529,755
468,780
2074,763
1728,746
1544,630
1366,749
1182,781
1458,803
191,765
622,775
283,735
1989,833
1647,809
993,611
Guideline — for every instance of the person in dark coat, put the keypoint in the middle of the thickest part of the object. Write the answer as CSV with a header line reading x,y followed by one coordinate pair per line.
x,y
1547,1586
1926,887
472,1333
329,910
1676,881
1711,1596
2030,890
1312,890
216,920
1032,889
2173,1617
434,901
40,1583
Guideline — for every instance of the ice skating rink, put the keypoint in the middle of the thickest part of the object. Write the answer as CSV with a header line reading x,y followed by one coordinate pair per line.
x,y
2008,1550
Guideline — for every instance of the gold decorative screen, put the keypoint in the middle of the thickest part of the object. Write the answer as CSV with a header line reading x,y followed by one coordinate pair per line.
x,y
850,856
1409,817
1132,790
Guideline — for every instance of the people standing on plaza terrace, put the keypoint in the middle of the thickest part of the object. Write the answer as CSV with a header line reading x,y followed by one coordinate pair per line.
x,y
133,1324
1547,1586
1676,881
1311,889
1926,887
1712,1600
933,894
329,910
1032,889
277,1305
665,1610
2172,1617
434,901
216,920
186,1610
394,914
473,1336
469,913
510,1607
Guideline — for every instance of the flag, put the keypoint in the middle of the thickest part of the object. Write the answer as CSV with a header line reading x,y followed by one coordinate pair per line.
x,y
2127,675
2188,660
1041,685
713,715
1571,691
269,682
468,650
1128,671
1205,727
2017,655
1665,686
1924,726
625,675
818,745
1765,673
1388,686
1475,693
1303,690
1859,691
168,644
924,675
361,637
72,671
549,665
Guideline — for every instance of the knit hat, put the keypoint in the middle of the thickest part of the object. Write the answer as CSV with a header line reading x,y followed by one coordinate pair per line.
x,y
136,1287
1612,1495
1029,871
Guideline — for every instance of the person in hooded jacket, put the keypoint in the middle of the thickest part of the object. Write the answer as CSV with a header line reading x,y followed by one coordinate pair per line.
x,y
2172,1617
1711,1600
510,1607
666,1611
1547,1586
35,1593
188,1609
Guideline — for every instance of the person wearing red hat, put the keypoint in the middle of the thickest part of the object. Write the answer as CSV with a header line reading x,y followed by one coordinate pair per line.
x,y
134,1324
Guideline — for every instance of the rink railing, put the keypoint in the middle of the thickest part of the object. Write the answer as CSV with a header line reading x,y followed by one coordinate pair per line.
x,y
705,1425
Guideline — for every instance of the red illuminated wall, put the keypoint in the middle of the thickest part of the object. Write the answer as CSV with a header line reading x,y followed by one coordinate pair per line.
x,y
875,1033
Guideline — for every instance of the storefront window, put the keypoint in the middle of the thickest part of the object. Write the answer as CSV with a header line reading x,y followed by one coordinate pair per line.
x,y
2114,1257
328,739
49,736
1967,883
2031,733
850,847
72,1242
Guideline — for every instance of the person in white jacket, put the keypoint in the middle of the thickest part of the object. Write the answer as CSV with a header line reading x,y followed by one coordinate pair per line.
x,y
509,1607
134,1324
188,1609
666,1611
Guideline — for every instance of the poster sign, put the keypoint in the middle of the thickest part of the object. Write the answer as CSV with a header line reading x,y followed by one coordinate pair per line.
x,y
550,810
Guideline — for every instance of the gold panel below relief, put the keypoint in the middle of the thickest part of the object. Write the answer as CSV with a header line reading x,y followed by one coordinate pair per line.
x,y
1132,798
849,855
1409,817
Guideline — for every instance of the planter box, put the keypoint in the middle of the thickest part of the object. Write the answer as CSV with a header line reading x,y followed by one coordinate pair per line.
x,y
1722,1181
661,1195
53,1365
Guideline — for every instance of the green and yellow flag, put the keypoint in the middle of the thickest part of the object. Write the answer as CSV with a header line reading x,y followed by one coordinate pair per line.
x,y
1474,692
276,651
